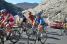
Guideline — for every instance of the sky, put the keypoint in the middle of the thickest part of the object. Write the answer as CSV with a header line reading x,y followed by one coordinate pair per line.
x,y
20,1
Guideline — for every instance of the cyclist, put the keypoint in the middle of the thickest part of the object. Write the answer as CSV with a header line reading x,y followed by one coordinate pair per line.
x,y
7,20
32,21
24,22
31,17
41,23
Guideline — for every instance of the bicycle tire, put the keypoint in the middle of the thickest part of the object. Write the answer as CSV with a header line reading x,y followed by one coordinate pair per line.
x,y
15,38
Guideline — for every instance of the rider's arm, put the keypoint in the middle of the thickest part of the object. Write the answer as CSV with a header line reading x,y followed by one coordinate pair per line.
x,y
4,19
11,21
40,22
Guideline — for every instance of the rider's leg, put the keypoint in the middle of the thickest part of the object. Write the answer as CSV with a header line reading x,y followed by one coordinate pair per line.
x,y
40,28
8,31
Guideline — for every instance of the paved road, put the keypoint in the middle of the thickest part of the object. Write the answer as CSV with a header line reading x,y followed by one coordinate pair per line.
x,y
53,38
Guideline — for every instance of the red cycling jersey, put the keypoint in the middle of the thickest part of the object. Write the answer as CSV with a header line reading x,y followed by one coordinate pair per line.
x,y
7,20
31,17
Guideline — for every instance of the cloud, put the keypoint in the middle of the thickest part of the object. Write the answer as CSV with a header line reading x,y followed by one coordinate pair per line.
x,y
20,1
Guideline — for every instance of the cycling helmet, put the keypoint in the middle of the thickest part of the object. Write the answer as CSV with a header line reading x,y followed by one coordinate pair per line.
x,y
3,10
40,13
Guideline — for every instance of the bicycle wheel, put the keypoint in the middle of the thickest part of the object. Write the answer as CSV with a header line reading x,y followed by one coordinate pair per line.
x,y
2,40
44,38
2,36
31,35
41,37
15,36
14,39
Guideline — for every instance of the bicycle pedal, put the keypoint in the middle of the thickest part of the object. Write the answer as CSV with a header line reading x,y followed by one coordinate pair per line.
x,y
39,39
34,33
7,38
42,43
24,30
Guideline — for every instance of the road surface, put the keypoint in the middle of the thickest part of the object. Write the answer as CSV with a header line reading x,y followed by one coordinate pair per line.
x,y
53,38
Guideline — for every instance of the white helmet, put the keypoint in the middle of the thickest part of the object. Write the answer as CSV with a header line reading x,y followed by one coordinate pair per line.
x,y
3,10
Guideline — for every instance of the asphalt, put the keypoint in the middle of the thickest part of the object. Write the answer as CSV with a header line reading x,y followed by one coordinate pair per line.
x,y
53,37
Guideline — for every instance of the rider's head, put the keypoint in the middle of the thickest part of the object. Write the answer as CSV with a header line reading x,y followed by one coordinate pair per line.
x,y
30,13
38,16
3,12
0,13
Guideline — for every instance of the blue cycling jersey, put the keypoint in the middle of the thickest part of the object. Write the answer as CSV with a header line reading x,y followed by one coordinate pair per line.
x,y
40,20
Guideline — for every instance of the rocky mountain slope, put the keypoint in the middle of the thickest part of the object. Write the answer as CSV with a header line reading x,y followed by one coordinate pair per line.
x,y
53,9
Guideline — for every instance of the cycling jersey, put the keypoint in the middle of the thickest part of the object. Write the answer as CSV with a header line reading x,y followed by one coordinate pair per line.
x,y
31,17
40,21
11,21
7,20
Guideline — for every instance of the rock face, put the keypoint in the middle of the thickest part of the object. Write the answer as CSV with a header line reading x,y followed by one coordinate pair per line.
x,y
54,9
57,9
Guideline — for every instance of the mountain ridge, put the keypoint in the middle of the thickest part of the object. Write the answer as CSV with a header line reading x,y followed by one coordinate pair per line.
x,y
10,7
26,5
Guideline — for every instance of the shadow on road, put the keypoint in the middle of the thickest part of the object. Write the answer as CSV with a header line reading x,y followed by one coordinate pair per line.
x,y
50,43
54,38
53,33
